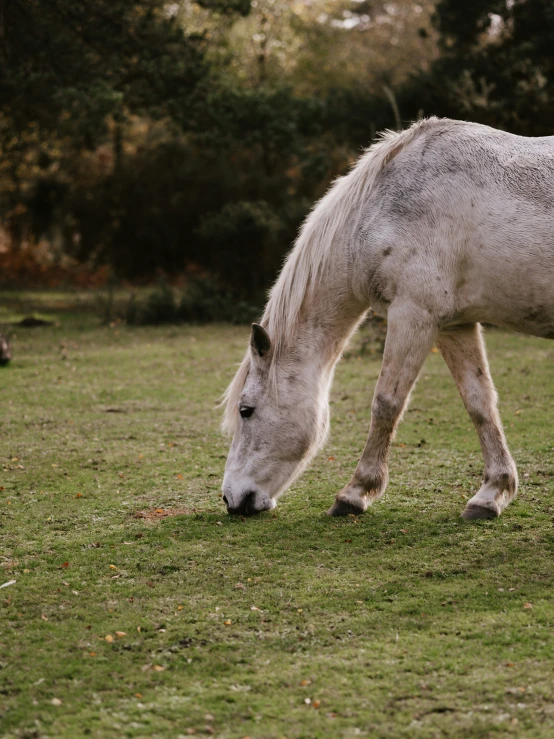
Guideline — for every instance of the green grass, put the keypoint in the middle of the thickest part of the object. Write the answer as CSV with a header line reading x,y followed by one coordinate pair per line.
x,y
404,622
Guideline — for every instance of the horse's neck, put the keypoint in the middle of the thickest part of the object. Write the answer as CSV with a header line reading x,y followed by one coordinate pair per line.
x,y
326,323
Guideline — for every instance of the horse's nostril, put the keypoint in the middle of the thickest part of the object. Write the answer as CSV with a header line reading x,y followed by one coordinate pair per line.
x,y
225,500
247,503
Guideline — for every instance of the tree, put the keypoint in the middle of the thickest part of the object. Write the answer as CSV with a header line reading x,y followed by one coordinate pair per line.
x,y
496,65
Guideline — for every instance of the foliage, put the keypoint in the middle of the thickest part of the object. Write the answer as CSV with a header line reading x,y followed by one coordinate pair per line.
x,y
406,621
241,241
495,67
202,301
193,137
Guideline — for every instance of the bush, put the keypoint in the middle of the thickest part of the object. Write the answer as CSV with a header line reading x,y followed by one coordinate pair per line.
x,y
244,246
160,307
202,302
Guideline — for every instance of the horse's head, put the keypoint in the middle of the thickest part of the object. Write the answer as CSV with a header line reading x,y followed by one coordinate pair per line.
x,y
278,411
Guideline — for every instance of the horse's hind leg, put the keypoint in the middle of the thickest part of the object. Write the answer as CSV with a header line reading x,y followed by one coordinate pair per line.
x,y
410,335
465,355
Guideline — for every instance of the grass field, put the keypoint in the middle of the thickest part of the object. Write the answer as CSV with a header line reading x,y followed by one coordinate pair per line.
x,y
141,609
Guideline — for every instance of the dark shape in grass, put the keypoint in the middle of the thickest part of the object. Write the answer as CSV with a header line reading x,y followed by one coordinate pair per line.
x,y
32,322
5,351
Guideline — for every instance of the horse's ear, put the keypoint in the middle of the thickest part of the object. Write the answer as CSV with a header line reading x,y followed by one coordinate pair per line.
x,y
260,341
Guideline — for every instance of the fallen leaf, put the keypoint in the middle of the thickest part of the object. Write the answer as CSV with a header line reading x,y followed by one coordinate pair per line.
x,y
109,638
56,702
305,682
330,459
92,654
65,565
228,622
316,704
528,605
179,477
113,567
209,717
138,695
43,617
158,668
79,495
255,608
434,350
121,633
240,586
180,608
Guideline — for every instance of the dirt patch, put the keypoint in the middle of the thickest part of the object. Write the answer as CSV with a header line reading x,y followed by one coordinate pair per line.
x,y
154,514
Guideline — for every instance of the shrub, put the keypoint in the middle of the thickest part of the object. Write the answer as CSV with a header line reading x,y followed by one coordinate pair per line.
x,y
202,302
242,240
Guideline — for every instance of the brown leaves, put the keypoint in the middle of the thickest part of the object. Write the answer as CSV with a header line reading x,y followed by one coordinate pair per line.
x,y
156,513
65,565
528,606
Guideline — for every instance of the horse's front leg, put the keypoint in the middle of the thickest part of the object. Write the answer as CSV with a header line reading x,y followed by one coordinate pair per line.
x,y
465,354
410,335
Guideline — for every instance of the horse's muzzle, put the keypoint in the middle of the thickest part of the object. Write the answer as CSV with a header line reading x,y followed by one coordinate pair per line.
x,y
246,507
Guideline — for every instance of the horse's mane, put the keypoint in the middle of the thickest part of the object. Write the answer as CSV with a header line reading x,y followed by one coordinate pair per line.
x,y
315,251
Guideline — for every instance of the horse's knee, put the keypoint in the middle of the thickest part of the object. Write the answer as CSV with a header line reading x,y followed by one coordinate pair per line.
x,y
386,408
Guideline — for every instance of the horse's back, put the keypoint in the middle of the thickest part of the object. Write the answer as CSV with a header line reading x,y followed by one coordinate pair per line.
x,y
464,215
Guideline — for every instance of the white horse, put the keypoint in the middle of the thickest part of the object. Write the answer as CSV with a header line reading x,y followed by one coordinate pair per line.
x,y
440,227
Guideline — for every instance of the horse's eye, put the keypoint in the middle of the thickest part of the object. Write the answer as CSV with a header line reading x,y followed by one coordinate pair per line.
x,y
246,411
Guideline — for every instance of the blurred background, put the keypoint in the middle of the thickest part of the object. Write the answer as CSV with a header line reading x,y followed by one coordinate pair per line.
x,y
180,144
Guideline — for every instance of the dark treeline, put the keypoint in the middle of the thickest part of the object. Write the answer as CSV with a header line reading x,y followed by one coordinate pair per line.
x,y
192,137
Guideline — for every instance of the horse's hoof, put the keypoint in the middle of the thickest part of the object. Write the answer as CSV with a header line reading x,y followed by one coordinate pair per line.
x,y
343,508
473,511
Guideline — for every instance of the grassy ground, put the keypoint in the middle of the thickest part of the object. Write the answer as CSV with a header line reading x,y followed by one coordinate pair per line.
x,y
404,622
